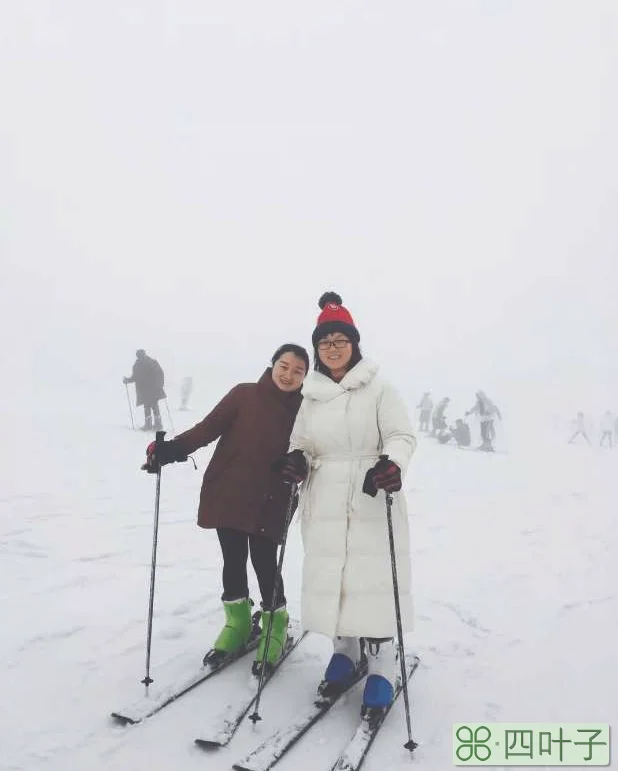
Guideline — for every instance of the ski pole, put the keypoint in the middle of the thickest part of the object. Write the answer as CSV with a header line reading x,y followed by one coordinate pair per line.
x,y
410,744
126,385
255,716
152,469
169,414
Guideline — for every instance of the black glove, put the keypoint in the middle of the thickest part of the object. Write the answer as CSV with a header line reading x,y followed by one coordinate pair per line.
x,y
385,475
294,468
161,453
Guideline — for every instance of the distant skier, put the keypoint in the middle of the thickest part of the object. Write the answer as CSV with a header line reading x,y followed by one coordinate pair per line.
x,y
580,428
186,389
607,427
149,381
461,433
438,419
425,406
487,413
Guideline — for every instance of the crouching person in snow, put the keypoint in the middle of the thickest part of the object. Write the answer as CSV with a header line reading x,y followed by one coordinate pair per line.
x,y
348,418
243,495
461,432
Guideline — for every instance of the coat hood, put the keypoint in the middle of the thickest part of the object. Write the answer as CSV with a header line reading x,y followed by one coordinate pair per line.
x,y
321,388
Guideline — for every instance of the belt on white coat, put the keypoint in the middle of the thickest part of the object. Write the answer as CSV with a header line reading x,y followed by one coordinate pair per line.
x,y
317,461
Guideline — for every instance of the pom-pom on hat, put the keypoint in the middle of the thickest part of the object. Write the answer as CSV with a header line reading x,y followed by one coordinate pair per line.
x,y
334,317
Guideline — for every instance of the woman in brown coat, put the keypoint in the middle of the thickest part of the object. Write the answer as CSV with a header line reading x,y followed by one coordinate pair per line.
x,y
243,495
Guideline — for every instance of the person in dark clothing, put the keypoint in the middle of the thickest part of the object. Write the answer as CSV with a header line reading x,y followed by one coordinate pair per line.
x,y
461,433
243,495
149,381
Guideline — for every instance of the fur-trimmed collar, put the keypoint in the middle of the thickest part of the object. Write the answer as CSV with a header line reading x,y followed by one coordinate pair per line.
x,y
321,388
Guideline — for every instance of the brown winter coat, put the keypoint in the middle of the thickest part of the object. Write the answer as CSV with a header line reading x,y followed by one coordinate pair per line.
x,y
241,489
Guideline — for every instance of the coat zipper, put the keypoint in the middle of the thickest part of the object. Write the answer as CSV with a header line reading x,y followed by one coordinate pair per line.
x,y
348,505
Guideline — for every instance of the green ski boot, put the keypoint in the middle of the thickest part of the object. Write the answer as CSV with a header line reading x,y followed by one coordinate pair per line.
x,y
237,630
278,638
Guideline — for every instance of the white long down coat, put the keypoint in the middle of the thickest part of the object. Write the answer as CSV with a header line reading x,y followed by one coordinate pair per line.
x,y
342,428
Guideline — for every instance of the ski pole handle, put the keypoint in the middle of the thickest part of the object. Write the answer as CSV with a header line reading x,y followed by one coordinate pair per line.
x,y
389,496
152,466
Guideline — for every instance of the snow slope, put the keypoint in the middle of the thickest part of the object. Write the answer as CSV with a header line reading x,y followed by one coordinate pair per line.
x,y
514,572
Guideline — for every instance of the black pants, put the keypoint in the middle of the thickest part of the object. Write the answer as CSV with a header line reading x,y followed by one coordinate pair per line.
x,y
235,546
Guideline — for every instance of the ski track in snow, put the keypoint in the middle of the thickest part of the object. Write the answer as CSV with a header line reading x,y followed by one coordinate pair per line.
x,y
515,590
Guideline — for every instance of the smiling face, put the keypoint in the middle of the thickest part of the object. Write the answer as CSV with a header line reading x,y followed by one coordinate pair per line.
x,y
289,372
335,352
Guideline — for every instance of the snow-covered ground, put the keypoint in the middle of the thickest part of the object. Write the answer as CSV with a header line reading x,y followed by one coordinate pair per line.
x,y
190,177
515,580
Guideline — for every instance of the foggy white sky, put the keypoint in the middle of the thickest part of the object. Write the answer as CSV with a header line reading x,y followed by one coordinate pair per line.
x,y
189,176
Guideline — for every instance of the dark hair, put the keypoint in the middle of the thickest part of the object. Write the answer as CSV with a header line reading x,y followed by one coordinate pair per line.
x,y
320,367
297,350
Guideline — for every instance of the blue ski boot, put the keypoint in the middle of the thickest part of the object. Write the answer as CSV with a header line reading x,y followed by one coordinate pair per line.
x,y
381,663
347,664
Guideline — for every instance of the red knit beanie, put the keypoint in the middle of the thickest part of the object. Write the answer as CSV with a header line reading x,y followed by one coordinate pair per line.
x,y
334,317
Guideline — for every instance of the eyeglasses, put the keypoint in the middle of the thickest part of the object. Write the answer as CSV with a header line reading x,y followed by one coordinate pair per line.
x,y
324,345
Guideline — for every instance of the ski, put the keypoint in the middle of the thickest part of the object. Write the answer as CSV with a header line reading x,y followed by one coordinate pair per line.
x,y
275,746
225,724
213,663
369,724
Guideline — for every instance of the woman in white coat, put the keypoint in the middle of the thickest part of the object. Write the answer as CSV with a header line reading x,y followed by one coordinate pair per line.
x,y
348,418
